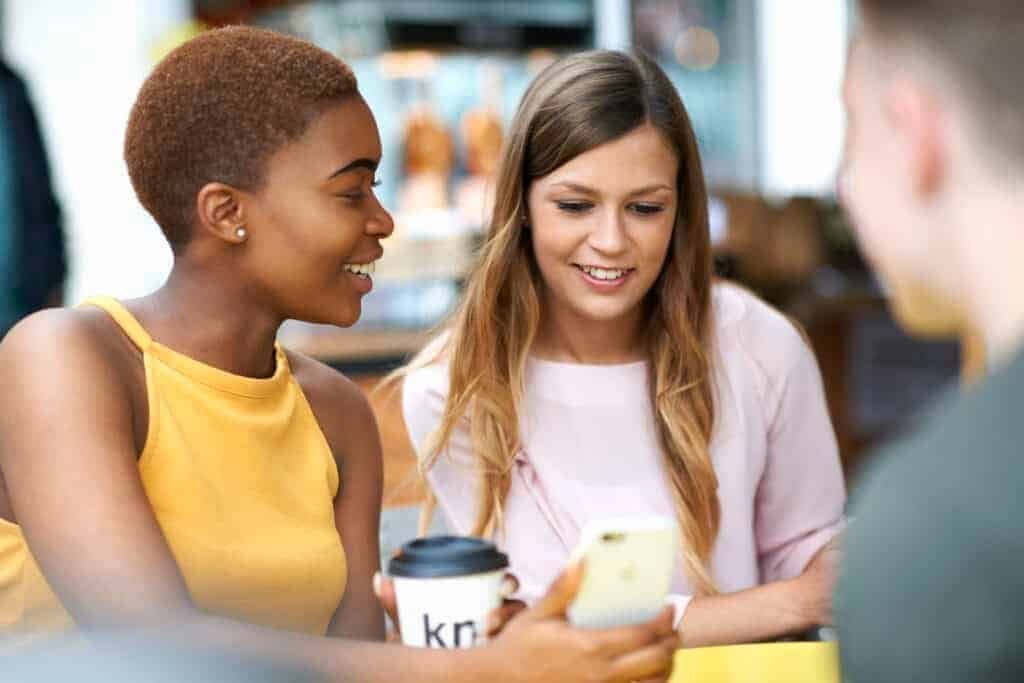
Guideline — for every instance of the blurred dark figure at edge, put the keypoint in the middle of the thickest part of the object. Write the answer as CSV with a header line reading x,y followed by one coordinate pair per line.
x,y
32,258
125,658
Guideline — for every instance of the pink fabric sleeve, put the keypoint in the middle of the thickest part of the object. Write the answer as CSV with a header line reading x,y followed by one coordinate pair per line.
x,y
801,494
452,477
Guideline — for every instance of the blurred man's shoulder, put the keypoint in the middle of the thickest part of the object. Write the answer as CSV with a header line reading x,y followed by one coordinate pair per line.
x,y
931,583
969,442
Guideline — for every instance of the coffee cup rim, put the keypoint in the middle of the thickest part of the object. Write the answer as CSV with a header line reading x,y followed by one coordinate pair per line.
x,y
446,557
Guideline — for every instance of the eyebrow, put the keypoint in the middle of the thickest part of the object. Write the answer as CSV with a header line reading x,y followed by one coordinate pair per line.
x,y
586,190
368,164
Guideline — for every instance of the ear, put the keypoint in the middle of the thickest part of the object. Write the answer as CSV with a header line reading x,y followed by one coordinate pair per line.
x,y
222,212
918,117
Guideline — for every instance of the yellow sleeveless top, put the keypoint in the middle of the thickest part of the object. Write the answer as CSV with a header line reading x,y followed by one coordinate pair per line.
x,y
242,483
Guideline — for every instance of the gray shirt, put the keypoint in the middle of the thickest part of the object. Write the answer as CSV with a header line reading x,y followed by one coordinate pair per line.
x,y
932,586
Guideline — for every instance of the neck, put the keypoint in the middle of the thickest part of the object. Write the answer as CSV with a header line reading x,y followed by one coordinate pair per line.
x,y
569,338
992,274
1000,317
212,319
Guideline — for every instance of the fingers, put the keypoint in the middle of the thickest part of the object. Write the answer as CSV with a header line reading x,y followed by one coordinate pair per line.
x,y
620,641
665,623
561,594
384,589
509,585
501,616
653,662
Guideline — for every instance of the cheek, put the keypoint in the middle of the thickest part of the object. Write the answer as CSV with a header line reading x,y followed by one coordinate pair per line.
x,y
323,230
871,209
288,217
547,256
553,240
653,242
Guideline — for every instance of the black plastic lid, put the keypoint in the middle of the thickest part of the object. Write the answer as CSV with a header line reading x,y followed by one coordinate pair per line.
x,y
440,556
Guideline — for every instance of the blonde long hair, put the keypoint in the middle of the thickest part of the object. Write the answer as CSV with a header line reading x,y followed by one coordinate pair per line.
x,y
576,104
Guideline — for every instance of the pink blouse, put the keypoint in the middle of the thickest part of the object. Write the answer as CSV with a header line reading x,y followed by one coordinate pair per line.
x,y
590,451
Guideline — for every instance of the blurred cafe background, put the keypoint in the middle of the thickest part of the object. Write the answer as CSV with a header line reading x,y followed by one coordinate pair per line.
x,y
761,80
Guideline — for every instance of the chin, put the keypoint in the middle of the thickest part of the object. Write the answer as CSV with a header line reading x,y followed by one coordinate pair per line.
x,y
339,317
924,313
347,320
604,314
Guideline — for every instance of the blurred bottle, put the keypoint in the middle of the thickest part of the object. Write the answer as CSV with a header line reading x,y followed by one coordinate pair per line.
x,y
33,265
429,156
482,135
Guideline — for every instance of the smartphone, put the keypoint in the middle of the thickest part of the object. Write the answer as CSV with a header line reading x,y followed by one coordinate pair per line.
x,y
627,571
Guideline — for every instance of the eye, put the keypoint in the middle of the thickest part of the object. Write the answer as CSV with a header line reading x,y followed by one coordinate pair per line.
x,y
574,206
358,195
646,209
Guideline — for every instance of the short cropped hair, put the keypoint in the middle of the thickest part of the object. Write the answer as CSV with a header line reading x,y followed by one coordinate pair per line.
x,y
216,108
979,44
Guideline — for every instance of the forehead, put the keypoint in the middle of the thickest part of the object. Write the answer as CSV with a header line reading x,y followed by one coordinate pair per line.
x,y
341,134
347,126
641,156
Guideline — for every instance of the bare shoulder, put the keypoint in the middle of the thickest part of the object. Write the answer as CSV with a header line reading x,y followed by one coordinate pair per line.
x,y
70,367
326,387
66,343
339,405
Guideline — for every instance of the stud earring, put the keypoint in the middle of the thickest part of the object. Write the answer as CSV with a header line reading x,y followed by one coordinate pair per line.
x,y
241,233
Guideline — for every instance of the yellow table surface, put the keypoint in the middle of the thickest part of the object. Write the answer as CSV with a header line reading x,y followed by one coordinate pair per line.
x,y
762,663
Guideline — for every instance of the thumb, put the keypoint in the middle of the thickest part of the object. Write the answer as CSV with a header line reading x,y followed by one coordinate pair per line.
x,y
560,595
384,589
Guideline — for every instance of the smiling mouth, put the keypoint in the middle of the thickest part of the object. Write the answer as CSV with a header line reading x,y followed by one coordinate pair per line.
x,y
364,270
608,274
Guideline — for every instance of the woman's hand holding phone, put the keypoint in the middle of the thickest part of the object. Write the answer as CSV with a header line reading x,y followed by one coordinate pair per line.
x,y
540,645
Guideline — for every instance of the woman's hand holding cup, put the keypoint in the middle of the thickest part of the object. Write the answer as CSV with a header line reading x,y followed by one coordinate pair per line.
x,y
384,588
452,593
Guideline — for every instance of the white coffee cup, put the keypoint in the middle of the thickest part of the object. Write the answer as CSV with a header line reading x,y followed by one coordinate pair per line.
x,y
446,586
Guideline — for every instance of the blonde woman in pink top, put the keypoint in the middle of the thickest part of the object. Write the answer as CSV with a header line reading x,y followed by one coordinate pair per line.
x,y
595,368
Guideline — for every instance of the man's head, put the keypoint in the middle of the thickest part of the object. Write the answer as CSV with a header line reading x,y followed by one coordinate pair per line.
x,y
933,100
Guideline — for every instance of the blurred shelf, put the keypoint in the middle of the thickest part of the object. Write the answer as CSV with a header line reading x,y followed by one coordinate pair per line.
x,y
449,257
358,352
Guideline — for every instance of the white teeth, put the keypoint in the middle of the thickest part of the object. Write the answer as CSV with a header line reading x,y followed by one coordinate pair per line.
x,y
603,273
363,269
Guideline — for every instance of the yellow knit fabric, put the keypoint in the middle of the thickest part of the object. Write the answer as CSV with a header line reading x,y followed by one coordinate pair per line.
x,y
242,482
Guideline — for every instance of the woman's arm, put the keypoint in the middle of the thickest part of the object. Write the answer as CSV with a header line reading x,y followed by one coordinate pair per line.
x,y
68,457
801,494
798,508
774,610
348,423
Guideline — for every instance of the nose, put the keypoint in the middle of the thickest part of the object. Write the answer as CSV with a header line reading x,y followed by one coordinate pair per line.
x,y
380,223
608,235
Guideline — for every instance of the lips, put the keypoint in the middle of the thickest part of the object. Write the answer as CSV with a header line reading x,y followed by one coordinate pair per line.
x,y
360,269
364,266
604,273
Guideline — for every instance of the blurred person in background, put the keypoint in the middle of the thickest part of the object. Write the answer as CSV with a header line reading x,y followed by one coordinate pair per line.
x,y
596,369
932,586
32,256
170,471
